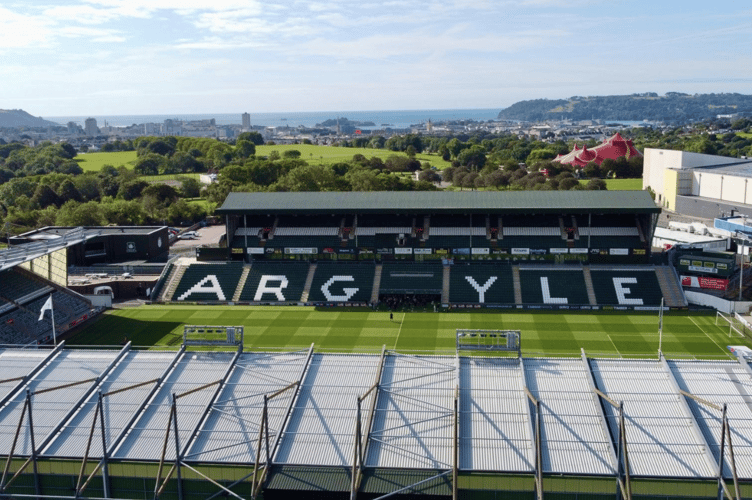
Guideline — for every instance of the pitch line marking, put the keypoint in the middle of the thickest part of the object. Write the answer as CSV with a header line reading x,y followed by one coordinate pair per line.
x,y
402,321
612,343
708,336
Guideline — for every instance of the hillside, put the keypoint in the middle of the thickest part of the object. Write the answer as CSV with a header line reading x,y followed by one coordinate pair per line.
x,y
672,107
11,118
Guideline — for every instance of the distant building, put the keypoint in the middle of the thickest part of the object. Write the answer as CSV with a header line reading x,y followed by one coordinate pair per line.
x,y
698,184
90,127
73,128
246,120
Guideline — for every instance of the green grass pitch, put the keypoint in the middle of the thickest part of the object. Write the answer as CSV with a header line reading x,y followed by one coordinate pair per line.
x,y
341,330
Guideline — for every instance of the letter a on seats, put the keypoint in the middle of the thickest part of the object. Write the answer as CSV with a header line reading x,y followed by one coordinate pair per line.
x,y
622,291
349,292
481,289
264,288
200,288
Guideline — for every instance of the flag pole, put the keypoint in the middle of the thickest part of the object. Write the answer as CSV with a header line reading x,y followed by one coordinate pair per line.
x,y
660,328
54,335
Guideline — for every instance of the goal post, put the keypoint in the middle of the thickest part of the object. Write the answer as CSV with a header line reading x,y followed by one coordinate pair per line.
x,y
216,336
488,340
736,324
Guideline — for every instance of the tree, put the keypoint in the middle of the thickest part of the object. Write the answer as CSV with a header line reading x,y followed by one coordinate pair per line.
x,y
474,158
132,189
77,214
568,183
68,191
596,185
291,153
244,149
148,164
190,187
44,196
253,137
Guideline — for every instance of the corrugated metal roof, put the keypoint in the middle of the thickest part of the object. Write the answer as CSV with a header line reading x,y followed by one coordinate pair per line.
x,y
50,408
321,428
134,368
573,439
413,421
194,369
660,437
440,201
230,433
17,363
721,383
494,422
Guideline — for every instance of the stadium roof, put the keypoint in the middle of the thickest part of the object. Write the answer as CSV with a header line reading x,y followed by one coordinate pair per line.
x,y
520,202
671,432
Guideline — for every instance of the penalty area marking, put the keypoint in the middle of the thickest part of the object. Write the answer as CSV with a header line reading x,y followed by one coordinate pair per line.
x,y
725,351
402,321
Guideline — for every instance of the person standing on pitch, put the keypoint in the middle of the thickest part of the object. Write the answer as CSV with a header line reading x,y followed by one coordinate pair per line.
x,y
391,316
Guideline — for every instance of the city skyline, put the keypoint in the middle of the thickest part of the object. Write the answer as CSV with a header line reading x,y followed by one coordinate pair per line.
x,y
100,57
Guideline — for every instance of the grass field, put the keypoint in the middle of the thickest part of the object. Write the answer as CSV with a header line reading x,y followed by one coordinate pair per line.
x,y
550,334
622,184
328,155
93,162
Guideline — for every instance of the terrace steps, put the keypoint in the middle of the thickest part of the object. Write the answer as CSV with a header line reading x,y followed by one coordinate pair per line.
x,y
241,283
309,280
376,284
172,282
517,285
589,286
672,293
445,285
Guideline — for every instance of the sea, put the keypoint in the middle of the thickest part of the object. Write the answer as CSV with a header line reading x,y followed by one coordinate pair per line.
x,y
381,119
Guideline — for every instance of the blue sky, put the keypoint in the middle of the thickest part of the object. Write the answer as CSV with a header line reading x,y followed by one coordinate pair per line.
x,y
97,57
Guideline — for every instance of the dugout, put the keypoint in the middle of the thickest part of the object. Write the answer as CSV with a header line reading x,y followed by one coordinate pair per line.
x,y
107,244
518,226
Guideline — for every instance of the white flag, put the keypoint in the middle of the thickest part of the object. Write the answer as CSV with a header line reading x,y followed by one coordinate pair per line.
x,y
46,307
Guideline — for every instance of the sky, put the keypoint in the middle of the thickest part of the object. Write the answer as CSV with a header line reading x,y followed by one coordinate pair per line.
x,y
123,57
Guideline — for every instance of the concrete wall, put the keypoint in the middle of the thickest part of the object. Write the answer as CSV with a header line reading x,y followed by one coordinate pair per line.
x,y
717,303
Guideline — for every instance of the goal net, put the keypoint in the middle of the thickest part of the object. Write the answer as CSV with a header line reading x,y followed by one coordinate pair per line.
x,y
218,336
488,340
737,325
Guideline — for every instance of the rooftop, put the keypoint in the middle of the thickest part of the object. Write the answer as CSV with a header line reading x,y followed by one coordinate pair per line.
x,y
522,202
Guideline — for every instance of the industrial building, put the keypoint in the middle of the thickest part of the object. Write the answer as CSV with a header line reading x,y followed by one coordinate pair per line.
x,y
698,185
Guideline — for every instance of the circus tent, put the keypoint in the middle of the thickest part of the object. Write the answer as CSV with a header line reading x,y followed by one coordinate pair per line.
x,y
614,147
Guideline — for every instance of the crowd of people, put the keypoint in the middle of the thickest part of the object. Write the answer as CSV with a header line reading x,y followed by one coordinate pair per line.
x,y
419,300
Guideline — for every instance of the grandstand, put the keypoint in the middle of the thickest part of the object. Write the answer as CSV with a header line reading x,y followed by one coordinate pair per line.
x,y
22,295
494,249
394,283
303,424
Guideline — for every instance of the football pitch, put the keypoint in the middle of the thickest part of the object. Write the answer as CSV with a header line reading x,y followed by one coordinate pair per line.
x,y
362,330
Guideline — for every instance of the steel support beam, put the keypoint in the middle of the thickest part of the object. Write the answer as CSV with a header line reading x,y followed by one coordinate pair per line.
x,y
699,437
363,438
535,431
604,422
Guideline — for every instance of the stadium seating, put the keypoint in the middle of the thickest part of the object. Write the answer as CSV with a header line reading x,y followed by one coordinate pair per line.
x,y
530,221
311,241
15,286
411,277
202,282
275,282
554,287
342,282
22,324
628,287
481,284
